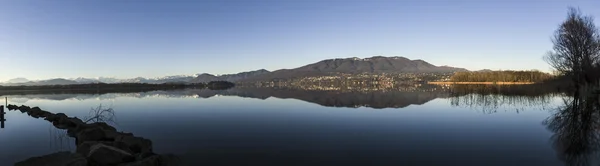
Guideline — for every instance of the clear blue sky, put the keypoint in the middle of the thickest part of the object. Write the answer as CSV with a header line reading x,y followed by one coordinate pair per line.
x,y
129,38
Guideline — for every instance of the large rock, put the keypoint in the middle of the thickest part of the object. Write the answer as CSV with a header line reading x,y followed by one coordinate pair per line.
x,y
138,145
156,160
29,113
92,134
85,147
45,114
55,117
101,154
55,159
72,132
40,114
36,112
35,109
24,108
69,123
12,107
103,126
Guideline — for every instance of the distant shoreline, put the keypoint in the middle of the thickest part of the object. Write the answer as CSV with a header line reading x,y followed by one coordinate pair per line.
x,y
483,83
117,86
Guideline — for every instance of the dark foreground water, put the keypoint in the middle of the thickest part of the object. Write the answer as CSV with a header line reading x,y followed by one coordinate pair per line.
x,y
284,127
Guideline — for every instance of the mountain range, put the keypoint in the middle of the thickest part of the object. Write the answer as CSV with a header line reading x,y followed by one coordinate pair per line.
x,y
372,65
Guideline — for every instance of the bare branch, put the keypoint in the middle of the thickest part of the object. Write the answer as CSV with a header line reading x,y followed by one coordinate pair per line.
x,y
576,50
101,114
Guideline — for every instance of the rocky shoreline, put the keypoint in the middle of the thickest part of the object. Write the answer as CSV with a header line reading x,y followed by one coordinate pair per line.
x,y
98,144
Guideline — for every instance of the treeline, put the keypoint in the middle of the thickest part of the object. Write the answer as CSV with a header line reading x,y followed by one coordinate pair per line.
x,y
219,85
123,86
506,90
501,76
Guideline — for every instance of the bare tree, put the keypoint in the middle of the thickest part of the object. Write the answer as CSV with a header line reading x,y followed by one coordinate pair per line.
x,y
576,50
101,114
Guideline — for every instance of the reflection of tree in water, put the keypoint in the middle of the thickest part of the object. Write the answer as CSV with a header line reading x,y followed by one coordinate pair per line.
x,y
507,90
576,127
491,98
60,141
575,122
492,103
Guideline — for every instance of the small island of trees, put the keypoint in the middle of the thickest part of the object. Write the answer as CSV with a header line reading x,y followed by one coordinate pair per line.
x,y
501,76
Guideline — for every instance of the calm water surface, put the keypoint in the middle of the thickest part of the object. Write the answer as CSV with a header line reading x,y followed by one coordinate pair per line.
x,y
224,128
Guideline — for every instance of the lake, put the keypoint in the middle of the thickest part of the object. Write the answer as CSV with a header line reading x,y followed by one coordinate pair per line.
x,y
268,126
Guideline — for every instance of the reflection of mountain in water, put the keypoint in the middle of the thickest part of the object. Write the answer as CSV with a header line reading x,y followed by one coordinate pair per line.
x,y
395,98
373,99
19,100
25,98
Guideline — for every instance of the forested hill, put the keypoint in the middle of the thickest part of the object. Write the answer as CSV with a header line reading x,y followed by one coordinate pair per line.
x,y
372,65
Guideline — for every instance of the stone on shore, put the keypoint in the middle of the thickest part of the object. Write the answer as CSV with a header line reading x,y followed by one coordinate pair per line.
x,y
12,107
109,130
91,134
55,117
24,108
103,126
97,144
107,155
69,123
138,145
36,112
34,109
85,147
43,114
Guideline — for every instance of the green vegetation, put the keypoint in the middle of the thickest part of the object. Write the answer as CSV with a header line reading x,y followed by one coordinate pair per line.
x,y
501,76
